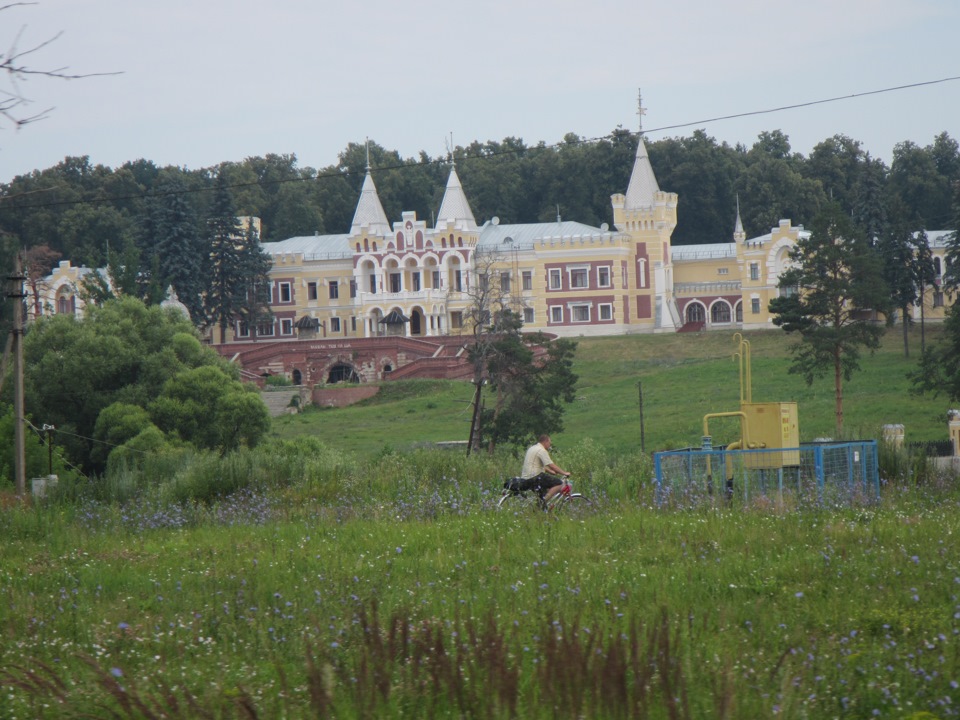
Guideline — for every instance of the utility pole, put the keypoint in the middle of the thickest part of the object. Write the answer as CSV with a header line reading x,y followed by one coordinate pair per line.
x,y
17,295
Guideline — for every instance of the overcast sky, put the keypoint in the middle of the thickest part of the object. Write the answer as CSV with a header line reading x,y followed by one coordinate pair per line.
x,y
206,81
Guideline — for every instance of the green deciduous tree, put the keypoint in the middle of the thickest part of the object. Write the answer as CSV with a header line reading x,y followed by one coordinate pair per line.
x,y
531,378
210,409
833,288
122,351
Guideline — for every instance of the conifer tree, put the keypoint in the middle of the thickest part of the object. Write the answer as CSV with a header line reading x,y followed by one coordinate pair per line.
x,y
226,288
178,246
837,286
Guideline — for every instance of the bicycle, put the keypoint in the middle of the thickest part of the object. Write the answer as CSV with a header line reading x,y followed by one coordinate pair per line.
x,y
519,493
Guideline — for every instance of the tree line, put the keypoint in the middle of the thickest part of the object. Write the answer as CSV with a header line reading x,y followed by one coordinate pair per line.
x,y
153,223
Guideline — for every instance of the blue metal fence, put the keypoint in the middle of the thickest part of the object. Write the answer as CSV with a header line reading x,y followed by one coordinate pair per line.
x,y
834,472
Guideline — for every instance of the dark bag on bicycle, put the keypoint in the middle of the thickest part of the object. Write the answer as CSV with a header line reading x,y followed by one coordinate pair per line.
x,y
519,484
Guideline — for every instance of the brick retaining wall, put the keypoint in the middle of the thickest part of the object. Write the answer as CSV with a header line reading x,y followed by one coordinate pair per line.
x,y
341,397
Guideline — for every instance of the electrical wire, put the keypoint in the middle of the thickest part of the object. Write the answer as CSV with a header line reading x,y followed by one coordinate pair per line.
x,y
461,157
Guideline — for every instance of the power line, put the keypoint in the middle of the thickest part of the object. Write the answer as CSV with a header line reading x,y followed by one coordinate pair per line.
x,y
336,172
804,104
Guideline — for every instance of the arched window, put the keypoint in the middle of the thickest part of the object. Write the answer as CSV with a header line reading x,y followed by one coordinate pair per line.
x,y
720,312
937,267
739,312
695,313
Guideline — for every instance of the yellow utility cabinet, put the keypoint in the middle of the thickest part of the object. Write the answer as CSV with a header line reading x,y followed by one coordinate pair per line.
x,y
772,426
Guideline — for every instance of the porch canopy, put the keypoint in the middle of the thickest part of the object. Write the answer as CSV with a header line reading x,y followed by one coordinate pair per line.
x,y
394,317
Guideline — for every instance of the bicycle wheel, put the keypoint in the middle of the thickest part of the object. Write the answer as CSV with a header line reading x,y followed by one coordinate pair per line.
x,y
574,505
516,502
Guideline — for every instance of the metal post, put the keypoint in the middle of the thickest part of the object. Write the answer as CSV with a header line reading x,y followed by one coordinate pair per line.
x,y
643,439
17,295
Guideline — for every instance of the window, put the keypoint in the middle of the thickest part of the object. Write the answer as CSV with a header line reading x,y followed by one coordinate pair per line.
x,y
243,330
286,326
436,279
456,320
311,291
353,324
335,325
334,289
555,283
937,299
606,311
458,280
395,282
579,278
720,313
527,279
754,271
528,316
373,284
265,329
755,306
580,313
505,282
484,282
603,277
353,288
788,291
723,271
285,292
415,279
556,314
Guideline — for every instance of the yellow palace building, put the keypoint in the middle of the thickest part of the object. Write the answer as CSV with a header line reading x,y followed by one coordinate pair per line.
x,y
565,277
394,299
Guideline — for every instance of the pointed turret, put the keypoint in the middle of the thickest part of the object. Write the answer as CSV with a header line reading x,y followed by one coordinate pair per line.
x,y
455,208
738,234
369,212
643,183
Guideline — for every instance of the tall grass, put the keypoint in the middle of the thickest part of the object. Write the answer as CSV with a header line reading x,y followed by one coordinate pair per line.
x,y
416,598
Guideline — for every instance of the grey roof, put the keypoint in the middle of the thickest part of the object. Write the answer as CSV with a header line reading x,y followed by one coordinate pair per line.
x,y
369,210
703,252
455,207
643,183
524,236
312,247
938,238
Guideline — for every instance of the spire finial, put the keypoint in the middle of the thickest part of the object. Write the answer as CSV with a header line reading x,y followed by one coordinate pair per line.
x,y
641,110
367,142
449,144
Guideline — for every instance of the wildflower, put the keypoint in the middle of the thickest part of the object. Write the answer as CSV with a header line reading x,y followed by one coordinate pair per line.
x,y
116,672
799,594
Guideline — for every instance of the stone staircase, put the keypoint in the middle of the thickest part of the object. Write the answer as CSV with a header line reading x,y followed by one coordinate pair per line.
x,y
277,401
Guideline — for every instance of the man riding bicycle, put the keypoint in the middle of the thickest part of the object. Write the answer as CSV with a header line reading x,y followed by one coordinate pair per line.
x,y
539,471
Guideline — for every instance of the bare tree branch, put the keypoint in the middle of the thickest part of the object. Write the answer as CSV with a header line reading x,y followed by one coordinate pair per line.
x,y
13,65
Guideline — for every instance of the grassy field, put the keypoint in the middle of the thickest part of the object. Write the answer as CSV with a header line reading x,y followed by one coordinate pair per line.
x,y
336,571
683,377
430,603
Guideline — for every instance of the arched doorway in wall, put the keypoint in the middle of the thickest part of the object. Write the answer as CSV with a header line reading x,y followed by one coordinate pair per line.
x,y
342,372
695,313
418,322
297,377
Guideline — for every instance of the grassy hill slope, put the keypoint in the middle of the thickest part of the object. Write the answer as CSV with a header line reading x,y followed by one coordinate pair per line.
x,y
683,377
